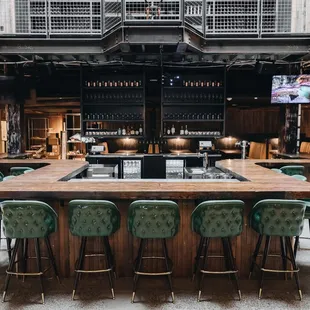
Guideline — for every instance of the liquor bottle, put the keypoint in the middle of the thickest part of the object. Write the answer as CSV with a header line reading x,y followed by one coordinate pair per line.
x,y
182,131
172,130
128,131
119,131
94,84
168,131
191,83
115,84
137,132
140,130
207,83
201,83
212,83
123,131
105,84
132,131
186,130
165,129
99,84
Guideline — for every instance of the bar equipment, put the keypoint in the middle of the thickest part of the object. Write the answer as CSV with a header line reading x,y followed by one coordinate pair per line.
x,y
243,144
175,168
131,169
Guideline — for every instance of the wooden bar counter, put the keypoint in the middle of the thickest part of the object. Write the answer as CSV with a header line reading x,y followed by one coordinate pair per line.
x,y
44,184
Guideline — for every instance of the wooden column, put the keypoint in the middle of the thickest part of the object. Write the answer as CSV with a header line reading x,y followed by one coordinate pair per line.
x,y
288,131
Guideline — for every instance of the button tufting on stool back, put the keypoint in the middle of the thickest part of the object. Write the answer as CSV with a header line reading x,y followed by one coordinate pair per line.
x,y
278,217
151,219
218,218
293,169
28,219
89,218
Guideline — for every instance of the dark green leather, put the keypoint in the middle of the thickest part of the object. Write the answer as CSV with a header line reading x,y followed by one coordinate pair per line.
x,y
218,218
276,170
19,170
307,213
299,177
278,217
1,176
93,218
153,219
293,169
28,219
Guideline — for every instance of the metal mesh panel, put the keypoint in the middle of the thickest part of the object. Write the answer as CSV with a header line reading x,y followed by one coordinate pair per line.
x,y
234,16
112,13
193,12
145,10
7,23
22,24
38,17
75,17
285,16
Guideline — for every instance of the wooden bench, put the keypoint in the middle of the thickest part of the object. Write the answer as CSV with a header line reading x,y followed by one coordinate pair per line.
x,y
257,150
304,147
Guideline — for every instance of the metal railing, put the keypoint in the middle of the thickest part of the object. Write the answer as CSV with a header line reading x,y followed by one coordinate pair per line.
x,y
209,17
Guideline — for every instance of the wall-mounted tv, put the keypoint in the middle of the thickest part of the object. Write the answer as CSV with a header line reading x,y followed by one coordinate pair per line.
x,y
290,89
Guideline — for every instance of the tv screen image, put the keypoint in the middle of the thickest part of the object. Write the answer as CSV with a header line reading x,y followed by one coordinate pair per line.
x,y
290,89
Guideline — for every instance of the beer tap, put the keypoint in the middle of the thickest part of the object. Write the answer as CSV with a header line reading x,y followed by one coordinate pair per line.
x,y
243,144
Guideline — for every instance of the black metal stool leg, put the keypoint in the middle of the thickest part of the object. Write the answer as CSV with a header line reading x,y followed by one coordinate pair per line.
x,y
51,257
283,255
266,251
79,265
167,267
111,256
109,265
258,245
8,245
10,269
296,246
25,256
233,265
226,256
137,268
198,256
290,249
204,265
39,266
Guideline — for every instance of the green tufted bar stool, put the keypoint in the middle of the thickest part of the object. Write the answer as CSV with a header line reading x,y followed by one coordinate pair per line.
x,y
153,219
282,219
94,218
293,169
15,171
217,219
24,220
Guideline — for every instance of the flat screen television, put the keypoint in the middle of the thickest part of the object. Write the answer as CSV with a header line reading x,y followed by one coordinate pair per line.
x,y
290,89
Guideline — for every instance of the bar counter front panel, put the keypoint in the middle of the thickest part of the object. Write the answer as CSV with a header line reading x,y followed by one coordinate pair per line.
x,y
43,184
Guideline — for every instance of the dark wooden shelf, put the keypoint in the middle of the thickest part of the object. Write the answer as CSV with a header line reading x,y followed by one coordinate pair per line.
x,y
111,88
192,103
113,103
193,120
115,120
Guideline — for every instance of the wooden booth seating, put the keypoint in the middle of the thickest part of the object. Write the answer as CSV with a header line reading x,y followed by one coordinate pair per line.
x,y
304,147
257,150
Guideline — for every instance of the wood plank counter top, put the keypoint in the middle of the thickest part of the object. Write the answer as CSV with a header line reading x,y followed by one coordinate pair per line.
x,y
44,182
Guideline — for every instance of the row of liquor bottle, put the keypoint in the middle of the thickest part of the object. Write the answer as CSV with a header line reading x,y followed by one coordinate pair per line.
x,y
121,131
129,97
201,97
184,131
112,116
113,83
194,116
193,83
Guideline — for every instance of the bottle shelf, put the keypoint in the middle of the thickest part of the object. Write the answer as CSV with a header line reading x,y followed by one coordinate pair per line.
x,y
109,103
191,136
193,103
209,88
116,136
193,120
113,121
113,88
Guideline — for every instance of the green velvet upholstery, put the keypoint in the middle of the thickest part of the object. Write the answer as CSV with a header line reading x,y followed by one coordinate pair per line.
x,y
307,202
28,219
299,177
9,177
278,217
153,219
293,169
276,170
19,170
1,176
218,218
93,218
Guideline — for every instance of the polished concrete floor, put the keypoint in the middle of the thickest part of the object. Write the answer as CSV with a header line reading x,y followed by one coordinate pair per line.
x,y
218,293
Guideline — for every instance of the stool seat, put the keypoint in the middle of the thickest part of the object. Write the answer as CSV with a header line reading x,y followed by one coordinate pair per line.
x,y
282,219
293,169
217,219
94,218
299,177
153,219
19,170
23,220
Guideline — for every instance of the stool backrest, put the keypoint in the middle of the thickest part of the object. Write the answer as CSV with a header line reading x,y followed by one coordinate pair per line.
x,y
278,217
19,170
299,177
28,219
9,177
93,218
153,219
293,169
218,218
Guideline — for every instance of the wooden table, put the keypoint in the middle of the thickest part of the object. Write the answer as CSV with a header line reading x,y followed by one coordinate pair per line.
x,y
44,184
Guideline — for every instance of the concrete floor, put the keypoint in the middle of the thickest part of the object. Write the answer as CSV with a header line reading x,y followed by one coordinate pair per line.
x,y
218,292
